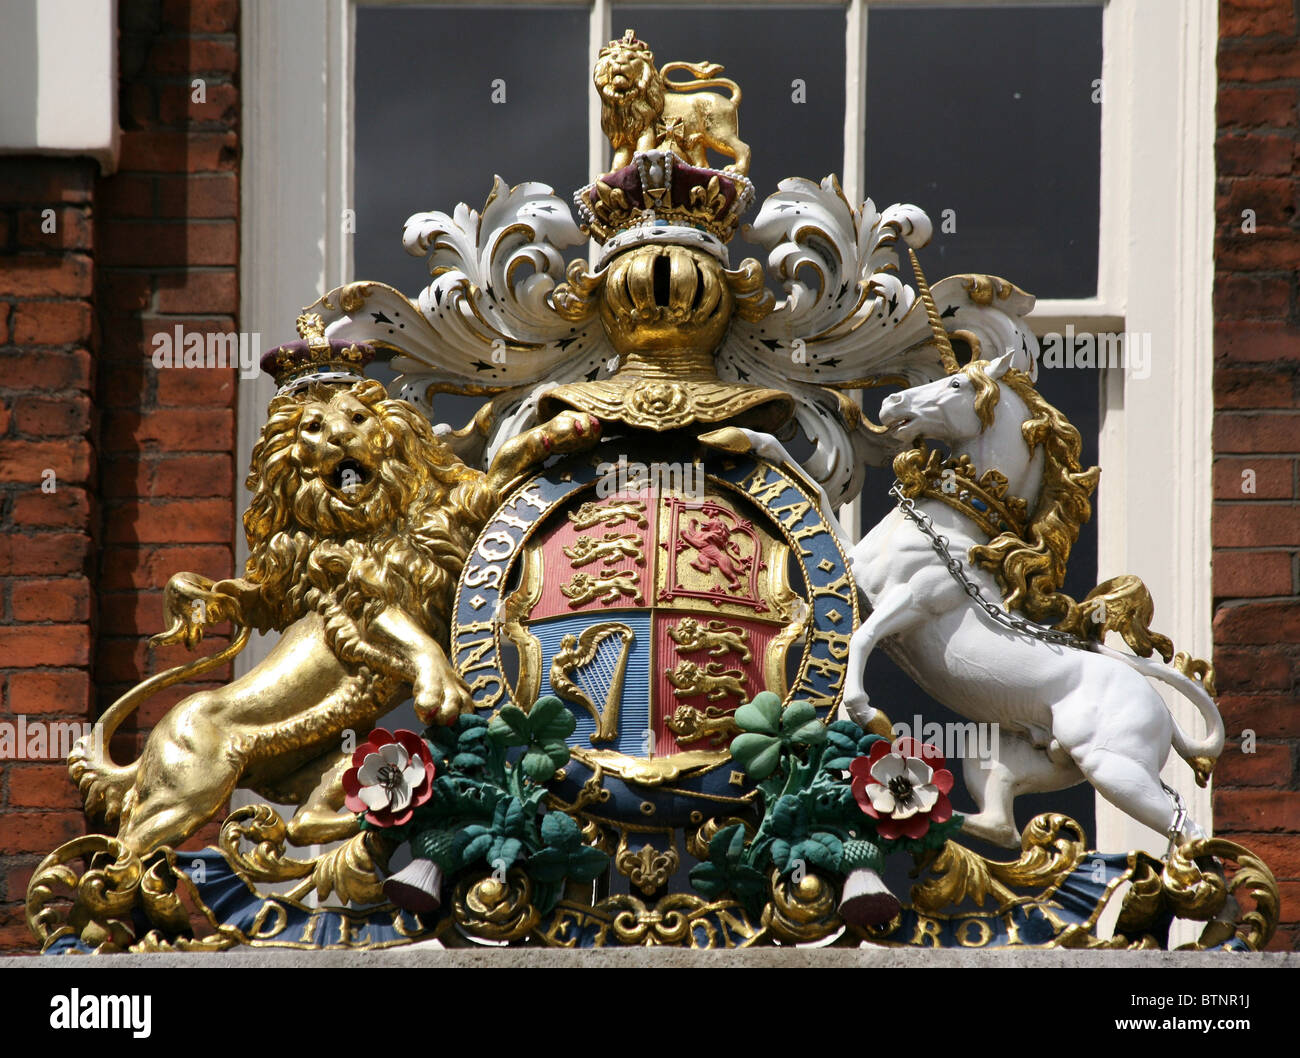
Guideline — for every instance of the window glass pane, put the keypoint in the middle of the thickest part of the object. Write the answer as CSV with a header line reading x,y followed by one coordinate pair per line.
x,y
789,63
448,96
990,113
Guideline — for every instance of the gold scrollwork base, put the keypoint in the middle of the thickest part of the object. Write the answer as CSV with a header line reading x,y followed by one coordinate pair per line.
x,y
680,920
1206,880
802,912
1191,884
494,909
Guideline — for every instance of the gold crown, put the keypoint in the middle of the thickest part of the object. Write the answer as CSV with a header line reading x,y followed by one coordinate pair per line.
x,y
659,191
315,358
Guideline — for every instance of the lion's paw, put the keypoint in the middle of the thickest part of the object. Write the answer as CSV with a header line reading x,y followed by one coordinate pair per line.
x,y
570,431
441,700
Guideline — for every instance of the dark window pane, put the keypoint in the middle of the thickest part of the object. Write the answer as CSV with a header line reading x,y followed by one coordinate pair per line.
x,y
989,112
428,134
764,50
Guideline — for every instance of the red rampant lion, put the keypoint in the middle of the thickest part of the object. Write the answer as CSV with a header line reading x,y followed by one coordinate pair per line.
x,y
717,550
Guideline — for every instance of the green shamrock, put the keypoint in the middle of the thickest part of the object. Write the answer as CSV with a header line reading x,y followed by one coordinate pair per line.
x,y
542,729
565,856
500,842
767,729
724,870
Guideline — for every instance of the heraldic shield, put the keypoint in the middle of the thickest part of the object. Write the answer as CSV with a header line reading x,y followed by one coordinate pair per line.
x,y
653,605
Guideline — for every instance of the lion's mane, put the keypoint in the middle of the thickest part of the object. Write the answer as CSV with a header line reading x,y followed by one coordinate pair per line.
x,y
403,545
623,123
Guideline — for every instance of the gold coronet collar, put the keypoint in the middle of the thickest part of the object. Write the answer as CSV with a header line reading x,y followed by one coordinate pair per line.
x,y
984,500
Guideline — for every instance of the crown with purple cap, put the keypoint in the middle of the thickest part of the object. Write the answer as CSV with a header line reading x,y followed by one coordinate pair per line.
x,y
315,358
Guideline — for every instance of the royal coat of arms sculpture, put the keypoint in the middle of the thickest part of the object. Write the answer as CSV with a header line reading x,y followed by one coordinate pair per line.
x,y
631,620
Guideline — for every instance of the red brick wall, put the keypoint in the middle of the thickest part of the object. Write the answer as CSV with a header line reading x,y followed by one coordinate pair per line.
x,y
169,230
1257,429
143,457
48,494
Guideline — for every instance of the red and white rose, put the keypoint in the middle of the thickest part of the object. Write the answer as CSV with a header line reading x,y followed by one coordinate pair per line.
x,y
904,787
391,775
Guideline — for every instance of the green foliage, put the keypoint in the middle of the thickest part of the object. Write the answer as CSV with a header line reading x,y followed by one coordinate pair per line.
x,y
794,840
499,842
726,869
845,740
857,853
565,856
437,845
768,732
542,730
462,746
487,810
810,817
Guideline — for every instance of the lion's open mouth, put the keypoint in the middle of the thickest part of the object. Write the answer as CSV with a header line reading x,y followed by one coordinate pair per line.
x,y
349,476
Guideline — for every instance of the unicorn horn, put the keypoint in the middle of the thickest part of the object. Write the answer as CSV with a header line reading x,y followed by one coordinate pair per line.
x,y
946,354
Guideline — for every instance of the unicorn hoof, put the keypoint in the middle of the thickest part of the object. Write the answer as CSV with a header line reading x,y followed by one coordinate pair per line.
x,y
868,717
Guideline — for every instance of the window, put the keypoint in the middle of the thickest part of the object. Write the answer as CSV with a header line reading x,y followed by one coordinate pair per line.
x,y
1152,173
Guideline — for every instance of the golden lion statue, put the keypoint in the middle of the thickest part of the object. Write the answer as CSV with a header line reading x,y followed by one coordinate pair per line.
x,y
360,523
638,111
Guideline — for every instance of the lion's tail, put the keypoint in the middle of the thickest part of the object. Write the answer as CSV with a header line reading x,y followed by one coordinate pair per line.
x,y
104,784
705,76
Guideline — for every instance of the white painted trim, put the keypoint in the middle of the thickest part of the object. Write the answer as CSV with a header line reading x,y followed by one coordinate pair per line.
x,y
1117,61
1155,498
60,67
295,181
600,32
853,175
853,178
1085,314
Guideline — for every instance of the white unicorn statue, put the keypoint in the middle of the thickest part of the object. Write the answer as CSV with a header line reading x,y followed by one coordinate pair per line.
x,y
979,536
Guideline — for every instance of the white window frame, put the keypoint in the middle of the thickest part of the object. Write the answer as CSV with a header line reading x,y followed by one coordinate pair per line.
x,y
1155,266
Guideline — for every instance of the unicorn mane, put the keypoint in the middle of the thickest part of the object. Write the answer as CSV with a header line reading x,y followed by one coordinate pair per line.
x,y
1030,571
